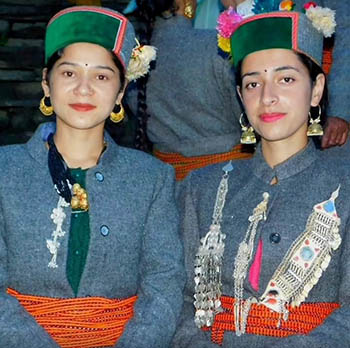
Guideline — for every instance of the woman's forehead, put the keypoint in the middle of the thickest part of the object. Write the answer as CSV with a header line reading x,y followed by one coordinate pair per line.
x,y
271,59
86,53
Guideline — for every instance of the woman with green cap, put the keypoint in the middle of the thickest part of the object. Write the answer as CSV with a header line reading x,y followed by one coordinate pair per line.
x,y
89,249
267,240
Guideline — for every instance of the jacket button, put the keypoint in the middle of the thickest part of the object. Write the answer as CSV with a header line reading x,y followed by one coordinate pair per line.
x,y
275,238
104,230
99,176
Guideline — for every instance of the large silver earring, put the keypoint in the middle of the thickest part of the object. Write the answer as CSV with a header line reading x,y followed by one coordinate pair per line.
x,y
248,135
315,128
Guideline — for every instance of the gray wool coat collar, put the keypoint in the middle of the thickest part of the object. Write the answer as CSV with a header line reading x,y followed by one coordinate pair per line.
x,y
294,165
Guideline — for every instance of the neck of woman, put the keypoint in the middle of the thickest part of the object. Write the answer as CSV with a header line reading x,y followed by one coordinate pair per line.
x,y
80,148
277,152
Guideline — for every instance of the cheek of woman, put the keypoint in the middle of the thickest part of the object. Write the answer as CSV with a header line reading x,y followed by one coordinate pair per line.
x,y
276,93
84,85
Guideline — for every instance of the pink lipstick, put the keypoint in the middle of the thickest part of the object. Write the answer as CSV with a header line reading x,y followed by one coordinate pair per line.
x,y
82,107
272,117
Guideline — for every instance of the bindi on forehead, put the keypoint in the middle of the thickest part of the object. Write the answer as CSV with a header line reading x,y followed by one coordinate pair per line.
x,y
86,64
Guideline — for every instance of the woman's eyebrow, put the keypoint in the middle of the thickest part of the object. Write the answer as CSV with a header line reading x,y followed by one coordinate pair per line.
x,y
280,68
287,67
96,66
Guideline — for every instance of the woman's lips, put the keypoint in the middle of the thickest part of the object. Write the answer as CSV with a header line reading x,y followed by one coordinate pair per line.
x,y
82,107
272,117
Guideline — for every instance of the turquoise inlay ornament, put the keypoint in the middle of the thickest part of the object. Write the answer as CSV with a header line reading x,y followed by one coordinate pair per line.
x,y
228,167
307,254
329,207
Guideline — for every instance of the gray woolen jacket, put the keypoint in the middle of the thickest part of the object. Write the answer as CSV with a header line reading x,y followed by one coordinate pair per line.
x,y
306,179
130,194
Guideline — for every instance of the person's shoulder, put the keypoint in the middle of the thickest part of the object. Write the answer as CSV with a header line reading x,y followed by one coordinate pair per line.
x,y
13,158
211,175
142,162
9,153
335,162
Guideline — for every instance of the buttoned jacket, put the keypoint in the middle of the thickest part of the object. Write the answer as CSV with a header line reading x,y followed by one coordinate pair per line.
x,y
134,245
308,178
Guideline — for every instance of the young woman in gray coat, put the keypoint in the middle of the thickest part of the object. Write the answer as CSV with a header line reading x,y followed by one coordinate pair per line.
x,y
89,247
267,240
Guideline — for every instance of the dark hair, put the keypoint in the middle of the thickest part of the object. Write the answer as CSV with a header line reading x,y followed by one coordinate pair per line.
x,y
58,54
313,69
147,12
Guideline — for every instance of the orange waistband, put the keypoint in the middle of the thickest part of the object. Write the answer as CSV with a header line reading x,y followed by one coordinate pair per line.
x,y
184,165
79,322
262,321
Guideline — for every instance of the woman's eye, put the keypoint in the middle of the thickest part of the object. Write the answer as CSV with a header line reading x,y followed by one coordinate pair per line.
x,y
251,85
68,73
102,77
288,80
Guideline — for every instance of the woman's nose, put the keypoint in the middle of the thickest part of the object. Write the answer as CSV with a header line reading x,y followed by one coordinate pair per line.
x,y
84,87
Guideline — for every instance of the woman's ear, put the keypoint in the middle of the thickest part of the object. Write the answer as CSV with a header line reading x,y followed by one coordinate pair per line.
x,y
121,92
317,89
45,83
238,89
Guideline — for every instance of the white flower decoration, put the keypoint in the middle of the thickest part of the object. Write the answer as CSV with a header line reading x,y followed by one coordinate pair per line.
x,y
139,64
323,19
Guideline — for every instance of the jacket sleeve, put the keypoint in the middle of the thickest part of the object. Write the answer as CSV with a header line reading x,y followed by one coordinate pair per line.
x,y
162,274
339,102
188,335
18,329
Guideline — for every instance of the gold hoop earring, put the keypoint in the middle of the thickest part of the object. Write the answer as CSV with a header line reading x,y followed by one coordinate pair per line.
x,y
118,113
188,11
45,106
248,135
315,128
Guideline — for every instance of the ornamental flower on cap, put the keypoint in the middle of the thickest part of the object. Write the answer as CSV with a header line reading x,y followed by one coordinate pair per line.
x,y
224,44
286,5
310,4
323,19
141,58
228,22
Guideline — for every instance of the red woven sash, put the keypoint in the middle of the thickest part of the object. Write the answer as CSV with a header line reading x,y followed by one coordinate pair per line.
x,y
263,321
79,322
184,165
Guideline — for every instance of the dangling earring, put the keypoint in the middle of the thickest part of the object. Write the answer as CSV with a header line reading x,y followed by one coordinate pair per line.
x,y
117,114
45,106
188,11
248,135
315,129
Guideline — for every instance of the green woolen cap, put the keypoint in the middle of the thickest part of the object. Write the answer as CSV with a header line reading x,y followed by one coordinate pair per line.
x,y
97,25
289,30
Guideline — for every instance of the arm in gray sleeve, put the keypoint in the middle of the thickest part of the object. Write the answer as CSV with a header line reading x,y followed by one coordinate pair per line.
x,y
18,329
339,102
162,274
